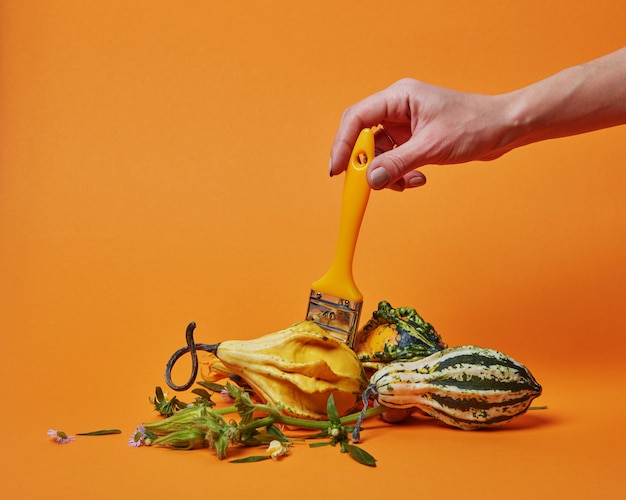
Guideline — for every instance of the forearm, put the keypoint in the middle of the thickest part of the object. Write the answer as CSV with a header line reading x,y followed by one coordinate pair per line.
x,y
579,99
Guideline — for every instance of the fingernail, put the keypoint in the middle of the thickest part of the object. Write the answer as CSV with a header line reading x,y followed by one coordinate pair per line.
x,y
417,181
379,178
330,167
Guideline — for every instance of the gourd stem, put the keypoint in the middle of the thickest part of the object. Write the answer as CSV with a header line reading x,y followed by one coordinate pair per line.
x,y
369,391
192,349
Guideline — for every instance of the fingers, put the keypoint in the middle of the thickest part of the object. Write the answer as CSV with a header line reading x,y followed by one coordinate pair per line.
x,y
412,179
366,114
397,165
383,141
396,159
392,167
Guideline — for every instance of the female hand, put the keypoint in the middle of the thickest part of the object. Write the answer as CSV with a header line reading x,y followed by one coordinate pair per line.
x,y
424,124
428,125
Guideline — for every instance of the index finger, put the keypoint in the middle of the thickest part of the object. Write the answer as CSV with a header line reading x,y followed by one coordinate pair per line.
x,y
365,114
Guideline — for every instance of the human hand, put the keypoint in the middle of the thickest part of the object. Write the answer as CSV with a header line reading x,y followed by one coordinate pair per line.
x,y
423,124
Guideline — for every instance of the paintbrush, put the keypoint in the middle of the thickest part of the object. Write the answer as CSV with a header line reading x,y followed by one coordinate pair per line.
x,y
335,302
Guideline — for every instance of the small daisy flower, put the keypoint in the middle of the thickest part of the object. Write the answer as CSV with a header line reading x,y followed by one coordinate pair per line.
x,y
276,449
60,436
138,438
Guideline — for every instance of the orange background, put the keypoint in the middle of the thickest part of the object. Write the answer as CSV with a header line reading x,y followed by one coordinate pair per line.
x,y
162,162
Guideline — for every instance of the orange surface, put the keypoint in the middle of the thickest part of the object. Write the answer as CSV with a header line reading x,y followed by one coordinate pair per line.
x,y
163,162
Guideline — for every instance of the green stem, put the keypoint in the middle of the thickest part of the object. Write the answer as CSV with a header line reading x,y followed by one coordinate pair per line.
x,y
275,417
186,416
226,410
353,417
182,420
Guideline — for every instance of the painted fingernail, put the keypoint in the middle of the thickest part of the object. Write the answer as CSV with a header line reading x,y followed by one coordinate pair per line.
x,y
417,181
330,167
379,178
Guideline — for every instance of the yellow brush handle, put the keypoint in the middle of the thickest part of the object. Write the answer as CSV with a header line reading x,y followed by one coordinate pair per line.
x,y
338,281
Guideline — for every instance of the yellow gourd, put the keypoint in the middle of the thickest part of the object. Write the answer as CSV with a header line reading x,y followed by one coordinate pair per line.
x,y
297,369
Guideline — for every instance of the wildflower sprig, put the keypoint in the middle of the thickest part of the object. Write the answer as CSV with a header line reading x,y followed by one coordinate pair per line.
x,y
339,434
62,437
164,405
254,424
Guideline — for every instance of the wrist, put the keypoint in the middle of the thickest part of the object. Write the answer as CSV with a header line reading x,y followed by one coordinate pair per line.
x,y
520,117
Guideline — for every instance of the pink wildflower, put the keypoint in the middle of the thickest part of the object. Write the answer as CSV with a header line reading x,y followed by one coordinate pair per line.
x,y
138,438
60,436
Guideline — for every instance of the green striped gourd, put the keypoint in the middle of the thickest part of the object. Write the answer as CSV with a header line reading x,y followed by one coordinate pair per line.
x,y
467,387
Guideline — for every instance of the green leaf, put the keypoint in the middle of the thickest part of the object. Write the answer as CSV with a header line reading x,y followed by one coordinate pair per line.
x,y
211,386
150,435
319,445
360,455
275,431
177,403
159,394
202,393
103,432
331,410
255,441
318,435
255,458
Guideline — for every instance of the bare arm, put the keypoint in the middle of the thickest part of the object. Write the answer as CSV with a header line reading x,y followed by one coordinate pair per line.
x,y
434,125
579,99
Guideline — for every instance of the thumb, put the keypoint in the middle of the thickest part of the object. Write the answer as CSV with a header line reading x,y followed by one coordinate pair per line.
x,y
390,166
